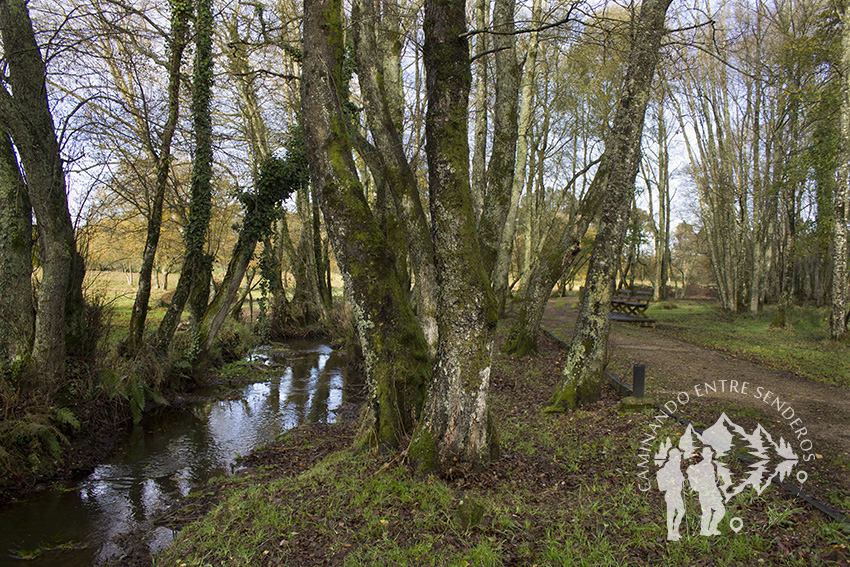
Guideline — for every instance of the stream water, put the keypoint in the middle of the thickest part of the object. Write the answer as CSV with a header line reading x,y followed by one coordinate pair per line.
x,y
166,456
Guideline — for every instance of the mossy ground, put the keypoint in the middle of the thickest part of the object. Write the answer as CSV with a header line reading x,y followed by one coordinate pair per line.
x,y
564,492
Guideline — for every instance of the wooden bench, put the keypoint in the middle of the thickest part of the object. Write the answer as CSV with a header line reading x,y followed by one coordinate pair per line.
x,y
629,306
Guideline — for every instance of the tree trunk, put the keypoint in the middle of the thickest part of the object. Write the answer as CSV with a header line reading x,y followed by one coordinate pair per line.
x,y
505,124
17,316
396,170
506,245
479,155
193,285
582,378
395,351
456,432
550,265
27,118
838,319
274,184
179,31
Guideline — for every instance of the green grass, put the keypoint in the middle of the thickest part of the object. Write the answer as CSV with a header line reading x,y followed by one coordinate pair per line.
x,y
564,493
804,348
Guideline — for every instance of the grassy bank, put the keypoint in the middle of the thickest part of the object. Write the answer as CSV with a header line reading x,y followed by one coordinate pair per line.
x,y
804,348
564,493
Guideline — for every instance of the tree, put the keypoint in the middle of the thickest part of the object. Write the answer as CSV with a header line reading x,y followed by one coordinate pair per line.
x,y
277,181
395,351
180,12
17,316
506,243
838,319
193,285
378,69
582,378
456,431
500,170
25,113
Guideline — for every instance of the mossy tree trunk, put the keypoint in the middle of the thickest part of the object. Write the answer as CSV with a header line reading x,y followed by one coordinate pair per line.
x,y
456,431
193,285
17,316
506,242
377,64
394,348
26,116
500,172
582,378
180,14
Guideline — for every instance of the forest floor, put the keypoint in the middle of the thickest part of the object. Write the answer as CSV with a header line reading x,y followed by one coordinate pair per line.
x,y
564,492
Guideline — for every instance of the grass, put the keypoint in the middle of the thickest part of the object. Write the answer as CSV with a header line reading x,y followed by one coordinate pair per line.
x,y
804,348
563,493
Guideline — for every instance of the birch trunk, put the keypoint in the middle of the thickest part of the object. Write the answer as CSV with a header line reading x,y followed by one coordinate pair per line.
x,y
838,319
506,245
479,155
582,378
505,124
456,432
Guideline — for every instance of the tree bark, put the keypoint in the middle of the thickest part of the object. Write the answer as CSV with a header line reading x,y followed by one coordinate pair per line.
x,y
506,245
582,378
838,318
555,257
500,173
26,116
17,316
396,171
479,155
193,285
395,351
179,31
456,431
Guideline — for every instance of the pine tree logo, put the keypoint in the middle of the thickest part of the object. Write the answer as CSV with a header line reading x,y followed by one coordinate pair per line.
x,y
698,459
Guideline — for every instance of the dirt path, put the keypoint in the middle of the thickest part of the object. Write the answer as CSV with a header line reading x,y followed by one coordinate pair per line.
x,y
673,366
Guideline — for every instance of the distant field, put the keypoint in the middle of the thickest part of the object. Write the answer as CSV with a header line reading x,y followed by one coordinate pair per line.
x,y
804,348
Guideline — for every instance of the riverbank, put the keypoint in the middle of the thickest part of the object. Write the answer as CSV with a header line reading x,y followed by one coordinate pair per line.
x,y
564,492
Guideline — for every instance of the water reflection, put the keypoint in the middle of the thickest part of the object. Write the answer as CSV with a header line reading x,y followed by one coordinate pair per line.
x,y
167,456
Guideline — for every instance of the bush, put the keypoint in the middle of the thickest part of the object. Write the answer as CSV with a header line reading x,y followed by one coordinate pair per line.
x,y
233,342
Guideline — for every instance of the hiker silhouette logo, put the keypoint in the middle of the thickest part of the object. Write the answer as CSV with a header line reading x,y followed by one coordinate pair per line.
x,y
699,461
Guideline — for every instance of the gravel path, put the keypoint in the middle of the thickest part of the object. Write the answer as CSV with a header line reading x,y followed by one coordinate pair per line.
x,y
674,366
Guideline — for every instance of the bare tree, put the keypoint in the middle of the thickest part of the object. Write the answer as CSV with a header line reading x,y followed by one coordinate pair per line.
x,y
582,378
25,113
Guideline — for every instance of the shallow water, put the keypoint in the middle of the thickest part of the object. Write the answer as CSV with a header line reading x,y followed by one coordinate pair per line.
x,y
168,455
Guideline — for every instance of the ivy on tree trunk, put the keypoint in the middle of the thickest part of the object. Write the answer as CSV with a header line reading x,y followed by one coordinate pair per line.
x,y
193,285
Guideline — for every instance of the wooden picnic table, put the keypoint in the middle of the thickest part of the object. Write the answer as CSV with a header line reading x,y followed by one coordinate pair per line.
x,y
630,306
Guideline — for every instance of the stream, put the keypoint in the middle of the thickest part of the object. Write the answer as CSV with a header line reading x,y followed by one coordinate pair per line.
x,y
167,455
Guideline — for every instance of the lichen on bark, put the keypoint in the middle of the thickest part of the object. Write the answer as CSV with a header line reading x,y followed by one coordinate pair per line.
x,y
581,381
